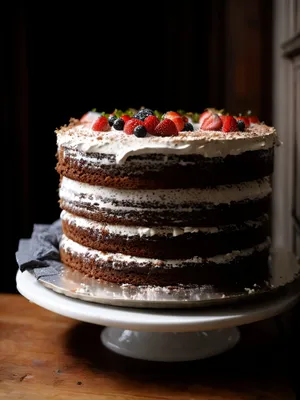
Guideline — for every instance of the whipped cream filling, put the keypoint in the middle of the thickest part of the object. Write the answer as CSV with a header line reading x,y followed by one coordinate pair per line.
x,y
112,198
142,231
206,143
70,246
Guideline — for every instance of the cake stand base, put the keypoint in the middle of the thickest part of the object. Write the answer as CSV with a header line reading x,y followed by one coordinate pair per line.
x,y
169,346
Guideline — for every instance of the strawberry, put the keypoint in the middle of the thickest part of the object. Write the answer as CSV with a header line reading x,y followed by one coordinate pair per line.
x,y
176,118
210,122
131,124
90,116
229,124
151,122
203,116
244,119
253,119
171,114
178,121
101,124
166,127
223,117
125,117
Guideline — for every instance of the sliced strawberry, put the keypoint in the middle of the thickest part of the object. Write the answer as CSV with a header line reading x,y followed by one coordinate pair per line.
x,y
175,114
171,114
203,116
253,119
176,118
166,127
223,117
151,122
210,122
229,124
131,124
244,119
125,117
101,124
90,116
179,122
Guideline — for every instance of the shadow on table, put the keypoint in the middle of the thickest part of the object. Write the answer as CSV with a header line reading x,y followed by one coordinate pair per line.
x,y
257,365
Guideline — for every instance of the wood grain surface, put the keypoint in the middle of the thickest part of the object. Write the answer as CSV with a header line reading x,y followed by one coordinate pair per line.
x,y
46,356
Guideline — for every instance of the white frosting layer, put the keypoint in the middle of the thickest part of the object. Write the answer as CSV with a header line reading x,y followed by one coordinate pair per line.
x,y
142,231
206,143
111,198
73,247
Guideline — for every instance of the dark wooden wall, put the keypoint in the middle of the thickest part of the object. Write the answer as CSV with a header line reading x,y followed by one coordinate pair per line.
x,y
67,61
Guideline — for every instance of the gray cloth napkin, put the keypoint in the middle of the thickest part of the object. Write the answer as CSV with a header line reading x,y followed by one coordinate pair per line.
x,y
40,254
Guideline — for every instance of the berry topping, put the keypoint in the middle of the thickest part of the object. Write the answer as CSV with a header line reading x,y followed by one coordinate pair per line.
x,y
131,124
166,127
171,114
188,127
176,118
179,122
253,119
229,124
143,113
111,119
210,121
241,125
151,122
101,124
119,124
125,117
140,131
244,119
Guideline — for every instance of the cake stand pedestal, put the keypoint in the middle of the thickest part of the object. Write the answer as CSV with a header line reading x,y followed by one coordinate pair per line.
x,y
158,334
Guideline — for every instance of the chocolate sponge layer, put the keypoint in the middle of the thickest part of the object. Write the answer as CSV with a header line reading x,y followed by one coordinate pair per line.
x,y
160,171
242,273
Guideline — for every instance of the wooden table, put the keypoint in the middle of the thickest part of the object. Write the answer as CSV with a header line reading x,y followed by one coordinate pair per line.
x,y
46,356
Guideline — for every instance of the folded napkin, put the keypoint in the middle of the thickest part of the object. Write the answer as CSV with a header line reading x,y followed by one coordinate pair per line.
x,y
40,253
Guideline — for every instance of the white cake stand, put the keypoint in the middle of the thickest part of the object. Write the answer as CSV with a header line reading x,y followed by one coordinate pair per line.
x,y
157,334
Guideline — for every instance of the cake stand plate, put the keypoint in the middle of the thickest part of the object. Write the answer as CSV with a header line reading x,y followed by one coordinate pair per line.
x,y
159,334
284,270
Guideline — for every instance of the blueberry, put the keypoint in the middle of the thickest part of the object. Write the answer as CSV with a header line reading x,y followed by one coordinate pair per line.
x,y
241,125
188,127
119,124
111,119
140,131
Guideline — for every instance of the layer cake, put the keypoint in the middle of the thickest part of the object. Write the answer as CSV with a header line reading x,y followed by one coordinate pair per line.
x,y
164,206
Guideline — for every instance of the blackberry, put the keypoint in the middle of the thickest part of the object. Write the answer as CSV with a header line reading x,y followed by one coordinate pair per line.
x,y
143,113
111,119
140,131
119,124
241,125
188,127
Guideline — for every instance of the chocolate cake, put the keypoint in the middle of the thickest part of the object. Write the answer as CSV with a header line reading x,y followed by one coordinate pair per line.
x,y
166,199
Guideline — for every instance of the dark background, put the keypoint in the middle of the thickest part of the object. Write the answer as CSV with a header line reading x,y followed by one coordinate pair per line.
x,y
60,62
